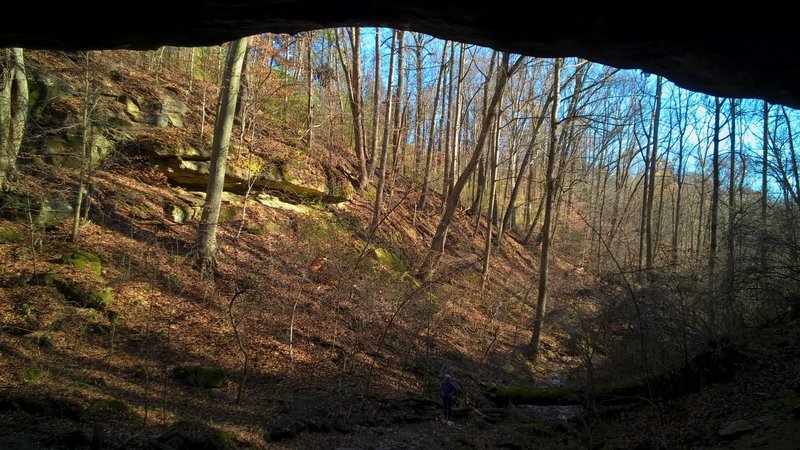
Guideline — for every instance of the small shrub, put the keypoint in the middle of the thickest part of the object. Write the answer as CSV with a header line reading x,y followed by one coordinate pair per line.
x,y
9,236
32,373
174,281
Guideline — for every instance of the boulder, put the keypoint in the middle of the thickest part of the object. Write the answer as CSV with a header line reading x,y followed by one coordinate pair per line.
x,y
45,212
131,106
81,259
173,109
77,292
183,213
185,151
186,435
66,149
43,89
194,174
736,428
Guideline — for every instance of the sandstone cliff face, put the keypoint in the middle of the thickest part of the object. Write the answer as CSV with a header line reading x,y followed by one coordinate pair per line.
x,y
132,117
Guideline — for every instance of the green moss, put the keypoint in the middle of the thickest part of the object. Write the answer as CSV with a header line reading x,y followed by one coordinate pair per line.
x,y
74,292
533,396
200,376
32,373
390,260
9,236
624,387
101,299
79,259
113,406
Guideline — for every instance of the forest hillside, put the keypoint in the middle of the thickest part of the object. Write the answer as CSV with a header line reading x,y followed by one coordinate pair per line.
x,y
564,239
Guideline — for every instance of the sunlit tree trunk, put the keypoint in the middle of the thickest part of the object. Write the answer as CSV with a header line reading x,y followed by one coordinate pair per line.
x,y
492,212
207,236
310,90
13,111
353,78
418,139
452,200
432,135
541,297
376,213
397,115
376,101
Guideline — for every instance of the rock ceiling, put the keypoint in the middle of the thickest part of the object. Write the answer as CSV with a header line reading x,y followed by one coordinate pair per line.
x,y
721,48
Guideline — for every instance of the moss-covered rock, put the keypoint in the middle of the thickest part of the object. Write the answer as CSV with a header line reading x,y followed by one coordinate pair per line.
x,y
79,259
76,292
66,150
389,260
45,212
43,89
115,407
185,151
101,299
201,376
183,213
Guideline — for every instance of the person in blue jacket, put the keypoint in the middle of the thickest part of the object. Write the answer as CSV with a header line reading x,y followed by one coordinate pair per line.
x,y
449,392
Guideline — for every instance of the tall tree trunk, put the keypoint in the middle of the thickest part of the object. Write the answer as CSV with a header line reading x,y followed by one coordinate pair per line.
x,y
732,209
526,159
244,92
452,200
376,213
418,139
492,213
398,104
310,91
712,253
432,135
207,236
13,111
85,150
541,298
762,247
376,101
652,183
444,121
353,78
456,140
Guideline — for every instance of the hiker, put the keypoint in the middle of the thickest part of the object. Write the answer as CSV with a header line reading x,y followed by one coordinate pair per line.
x,y
449,392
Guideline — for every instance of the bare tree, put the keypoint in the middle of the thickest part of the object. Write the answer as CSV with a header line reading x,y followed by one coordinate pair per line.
x,y
451,202
432,133
13,111
376,213
207,235
353,78
541,297
651,185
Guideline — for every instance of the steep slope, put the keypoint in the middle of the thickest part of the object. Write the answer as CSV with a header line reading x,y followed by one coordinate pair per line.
x,y
335,331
